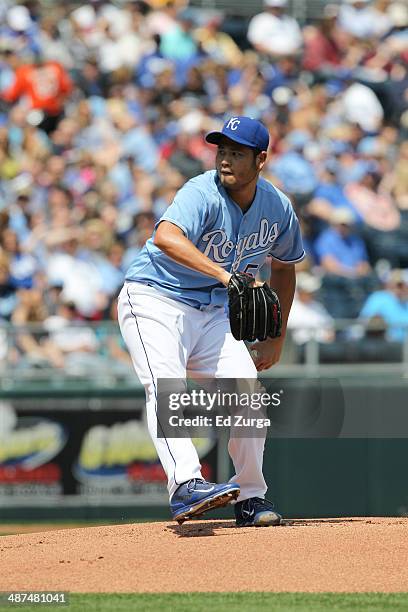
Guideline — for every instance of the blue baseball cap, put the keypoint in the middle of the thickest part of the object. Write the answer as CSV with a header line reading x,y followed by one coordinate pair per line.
x,y
246,131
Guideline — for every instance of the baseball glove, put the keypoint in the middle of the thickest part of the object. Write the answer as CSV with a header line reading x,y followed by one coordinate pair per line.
x,y
254,312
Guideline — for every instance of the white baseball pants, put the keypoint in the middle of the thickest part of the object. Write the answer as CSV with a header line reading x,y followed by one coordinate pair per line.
x,y
169,339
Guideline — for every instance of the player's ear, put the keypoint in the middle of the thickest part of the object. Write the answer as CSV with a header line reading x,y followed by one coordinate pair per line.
x,y
261,159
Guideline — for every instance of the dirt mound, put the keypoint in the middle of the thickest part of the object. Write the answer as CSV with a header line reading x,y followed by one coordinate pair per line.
x,y
351,555
13,528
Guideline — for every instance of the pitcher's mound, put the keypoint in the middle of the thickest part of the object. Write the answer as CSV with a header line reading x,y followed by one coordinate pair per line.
x,y
356,554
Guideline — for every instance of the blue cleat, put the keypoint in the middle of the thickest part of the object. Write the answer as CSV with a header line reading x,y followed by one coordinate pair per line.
x,y
197,496
256,512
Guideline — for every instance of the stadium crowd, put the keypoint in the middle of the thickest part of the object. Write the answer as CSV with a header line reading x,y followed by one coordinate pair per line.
x,y
103,109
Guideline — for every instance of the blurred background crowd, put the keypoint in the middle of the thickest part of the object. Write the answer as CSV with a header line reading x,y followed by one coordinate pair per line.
x,y
103,109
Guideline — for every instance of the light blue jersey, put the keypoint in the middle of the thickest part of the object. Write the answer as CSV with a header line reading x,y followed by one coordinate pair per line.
x,y
216,225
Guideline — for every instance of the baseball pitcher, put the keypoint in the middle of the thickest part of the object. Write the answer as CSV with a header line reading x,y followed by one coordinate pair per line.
x,y
190,301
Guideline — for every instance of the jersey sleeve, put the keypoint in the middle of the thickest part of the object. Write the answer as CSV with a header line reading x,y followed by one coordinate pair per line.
x,y
288,247
189,211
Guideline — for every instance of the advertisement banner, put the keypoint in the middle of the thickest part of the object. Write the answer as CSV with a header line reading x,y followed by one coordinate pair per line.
x,y
82,451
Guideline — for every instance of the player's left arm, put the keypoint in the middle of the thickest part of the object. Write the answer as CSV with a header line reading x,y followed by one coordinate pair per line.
x,y
283,281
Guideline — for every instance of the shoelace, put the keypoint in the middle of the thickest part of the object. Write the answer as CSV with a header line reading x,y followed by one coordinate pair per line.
x,y
193,482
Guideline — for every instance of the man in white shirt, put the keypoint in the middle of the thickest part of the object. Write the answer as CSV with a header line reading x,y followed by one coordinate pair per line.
x,y
359,104
361,20
274,33
308,318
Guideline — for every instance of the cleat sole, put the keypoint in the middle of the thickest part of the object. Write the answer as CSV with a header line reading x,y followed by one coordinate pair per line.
x,y
219,501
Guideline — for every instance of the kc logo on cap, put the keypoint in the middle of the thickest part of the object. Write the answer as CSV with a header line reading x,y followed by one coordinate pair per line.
x,y
245,130
233,123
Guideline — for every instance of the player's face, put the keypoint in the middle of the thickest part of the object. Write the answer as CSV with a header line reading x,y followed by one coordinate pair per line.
x,y
237,166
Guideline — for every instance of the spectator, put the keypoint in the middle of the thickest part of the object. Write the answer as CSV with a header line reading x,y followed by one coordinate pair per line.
x,y
9,164
323,53
218,44
293,171
391,305
347,273
20,30
79,199
20,216
52,46
23,266
273,33
362,21
307,109
45,84
384,234
400,178
112,345
121,47
375,208
396,42
382,20
82,284
75,341
360,105
340,251
60,329
308,318
330,195
52,296
395,100
90,80
143,228
178,43
35,345
8,298
182,160
98,242
163,19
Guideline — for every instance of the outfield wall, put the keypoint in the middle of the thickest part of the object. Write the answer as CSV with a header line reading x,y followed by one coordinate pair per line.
x,y
82,452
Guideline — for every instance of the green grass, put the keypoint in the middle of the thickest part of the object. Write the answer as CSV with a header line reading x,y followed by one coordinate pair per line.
x,y
233,602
